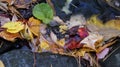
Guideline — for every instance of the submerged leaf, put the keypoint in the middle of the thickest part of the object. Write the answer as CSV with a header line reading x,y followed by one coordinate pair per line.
x,y
43,12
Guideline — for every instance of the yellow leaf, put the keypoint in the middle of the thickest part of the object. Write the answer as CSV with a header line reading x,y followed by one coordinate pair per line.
x,y
34,26
113,24
96,21
44,45
1,64
61,42
63,28
13,27
9,36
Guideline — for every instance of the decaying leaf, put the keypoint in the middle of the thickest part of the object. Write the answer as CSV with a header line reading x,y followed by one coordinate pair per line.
x,y
3,6
3,20
93,41
102,54
9,36
34,26
1,64
53,37
13,27
76,20
10,2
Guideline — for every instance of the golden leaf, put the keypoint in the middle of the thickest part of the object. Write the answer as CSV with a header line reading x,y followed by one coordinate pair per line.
x,y
34,26
9,36
13,27
44,45
96,21
113,24
61,42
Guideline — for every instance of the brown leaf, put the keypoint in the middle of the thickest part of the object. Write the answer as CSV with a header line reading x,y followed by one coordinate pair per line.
x,y
9,36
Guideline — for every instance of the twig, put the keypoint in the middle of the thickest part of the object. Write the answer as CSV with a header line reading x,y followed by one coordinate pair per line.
x,y
34,56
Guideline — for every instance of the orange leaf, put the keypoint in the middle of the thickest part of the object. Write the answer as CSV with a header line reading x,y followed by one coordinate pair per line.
x,y
34,26
9,36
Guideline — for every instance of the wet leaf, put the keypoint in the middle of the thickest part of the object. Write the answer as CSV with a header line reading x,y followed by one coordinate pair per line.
x,y
9,36
13,27
43,12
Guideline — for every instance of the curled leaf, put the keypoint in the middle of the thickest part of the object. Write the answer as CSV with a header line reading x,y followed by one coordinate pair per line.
x,y
9,36
93,41
13,27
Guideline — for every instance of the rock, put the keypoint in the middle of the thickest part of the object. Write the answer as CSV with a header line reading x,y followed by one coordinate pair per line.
x,y
25,58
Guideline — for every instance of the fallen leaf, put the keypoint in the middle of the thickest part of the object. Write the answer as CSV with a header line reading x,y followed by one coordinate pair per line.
x,y
3,6
61,42
44,45
95,21
10,2
93,41
102,54
9,36
34,26
82,32
3,20
76,20
63,28
13,27
1,64
115,24
53,37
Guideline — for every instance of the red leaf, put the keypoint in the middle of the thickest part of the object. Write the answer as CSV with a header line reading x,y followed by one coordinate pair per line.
x,y
82,32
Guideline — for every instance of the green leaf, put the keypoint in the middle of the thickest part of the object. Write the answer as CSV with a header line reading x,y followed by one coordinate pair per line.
x,y
43,12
